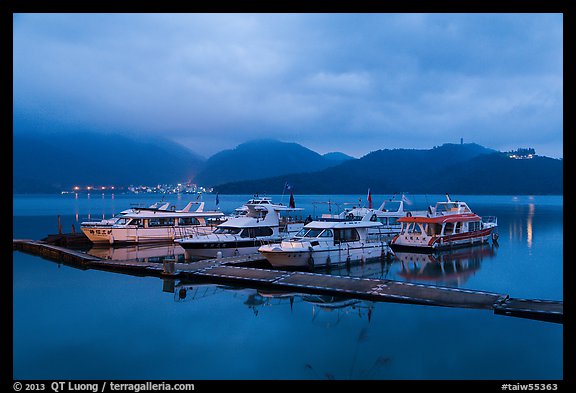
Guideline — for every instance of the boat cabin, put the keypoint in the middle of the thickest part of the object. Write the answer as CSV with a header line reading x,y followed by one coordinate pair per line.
x,y
440,226
159,222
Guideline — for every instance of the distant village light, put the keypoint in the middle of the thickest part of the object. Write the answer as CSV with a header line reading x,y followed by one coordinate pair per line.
x,y
522,153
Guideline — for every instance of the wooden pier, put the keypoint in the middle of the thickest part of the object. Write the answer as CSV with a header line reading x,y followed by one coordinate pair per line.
x,y
234,271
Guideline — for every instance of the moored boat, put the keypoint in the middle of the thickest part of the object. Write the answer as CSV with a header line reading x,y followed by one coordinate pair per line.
x,y
152,225
325,243
243,234
449,224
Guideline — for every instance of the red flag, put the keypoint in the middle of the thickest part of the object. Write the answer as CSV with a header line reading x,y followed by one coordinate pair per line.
x,y
292,204
369,200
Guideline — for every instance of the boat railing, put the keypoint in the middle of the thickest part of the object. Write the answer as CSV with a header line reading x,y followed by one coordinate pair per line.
x,y
490,220
92,221
183,232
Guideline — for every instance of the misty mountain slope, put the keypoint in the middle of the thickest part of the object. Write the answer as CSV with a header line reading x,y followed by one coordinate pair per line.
x,y
61,160
260,159
337,156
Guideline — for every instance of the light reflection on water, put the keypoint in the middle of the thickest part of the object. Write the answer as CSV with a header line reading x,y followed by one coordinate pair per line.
x,y
529,225
104,325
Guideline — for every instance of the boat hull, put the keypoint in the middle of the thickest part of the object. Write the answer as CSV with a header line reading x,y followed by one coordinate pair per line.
x,y
304,258
442,242
214,249
112,235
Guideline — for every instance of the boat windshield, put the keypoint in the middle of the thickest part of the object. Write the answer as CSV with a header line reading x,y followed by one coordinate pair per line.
x,y
446,207
227,231
122,221
315,232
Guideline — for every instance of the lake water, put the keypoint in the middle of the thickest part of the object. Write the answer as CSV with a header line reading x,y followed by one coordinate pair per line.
x,y
75,324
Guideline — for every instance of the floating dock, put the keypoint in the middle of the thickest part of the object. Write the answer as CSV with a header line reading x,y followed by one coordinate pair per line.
x,y
234,271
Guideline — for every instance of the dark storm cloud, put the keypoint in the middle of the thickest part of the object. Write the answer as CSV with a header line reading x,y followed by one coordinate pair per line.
x,y
347,82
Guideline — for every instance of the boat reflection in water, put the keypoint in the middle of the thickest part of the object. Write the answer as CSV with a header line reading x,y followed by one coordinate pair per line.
x,y
449,268
186,292
139,252
326,310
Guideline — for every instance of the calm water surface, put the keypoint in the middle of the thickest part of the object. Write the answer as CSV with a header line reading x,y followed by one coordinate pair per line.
x,y
74,324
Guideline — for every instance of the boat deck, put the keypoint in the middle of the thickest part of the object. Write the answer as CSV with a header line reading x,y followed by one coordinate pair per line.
x,y
234,270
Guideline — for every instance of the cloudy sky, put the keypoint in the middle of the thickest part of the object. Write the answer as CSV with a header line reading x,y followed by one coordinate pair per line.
x,y
332,82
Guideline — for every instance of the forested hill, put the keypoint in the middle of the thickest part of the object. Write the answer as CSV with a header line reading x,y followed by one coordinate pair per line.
x,y
450,168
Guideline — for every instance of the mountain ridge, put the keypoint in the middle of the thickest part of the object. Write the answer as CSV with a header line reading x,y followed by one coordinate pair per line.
x,y
56,162
258,159
466,169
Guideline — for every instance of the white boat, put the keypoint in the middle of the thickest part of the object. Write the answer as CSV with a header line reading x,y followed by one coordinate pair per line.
x,y
244,234
447,225
325,243
153,225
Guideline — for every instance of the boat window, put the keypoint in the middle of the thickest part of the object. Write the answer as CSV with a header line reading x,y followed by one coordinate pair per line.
x,y
346,235
256,232
474,226
446,207
264,231
327,233
136,221
457,227
160,222
302,232
227,231
449,229
433,229
383,220
392,220
313,232
122,221
413,228
188,221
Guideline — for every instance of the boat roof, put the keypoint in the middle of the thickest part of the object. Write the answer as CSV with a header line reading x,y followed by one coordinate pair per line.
x,y
442,219
247,222
362,211
253,209
342,224
171,214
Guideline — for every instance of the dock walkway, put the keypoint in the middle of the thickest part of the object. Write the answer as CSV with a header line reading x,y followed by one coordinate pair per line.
x,y
233,270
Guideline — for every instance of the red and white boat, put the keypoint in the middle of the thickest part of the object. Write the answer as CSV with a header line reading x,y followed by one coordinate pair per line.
x,y
447,225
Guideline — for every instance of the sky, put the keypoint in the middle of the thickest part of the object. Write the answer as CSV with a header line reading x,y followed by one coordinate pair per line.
x,y
353,83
